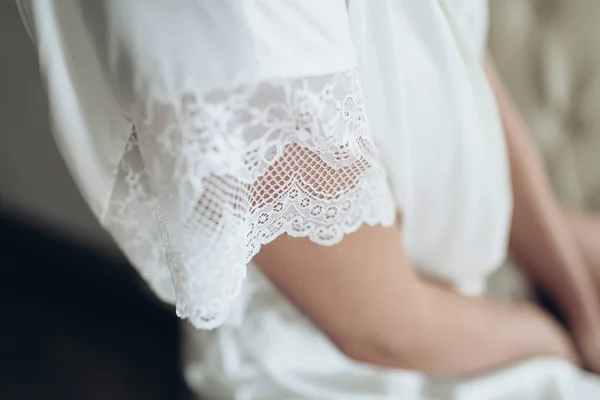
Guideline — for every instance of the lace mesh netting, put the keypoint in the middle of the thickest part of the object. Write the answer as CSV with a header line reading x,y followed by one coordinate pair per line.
x,y
207,180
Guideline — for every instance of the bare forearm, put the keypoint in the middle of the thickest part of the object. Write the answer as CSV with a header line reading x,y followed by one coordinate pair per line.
x,y
364,295
540,236
461,335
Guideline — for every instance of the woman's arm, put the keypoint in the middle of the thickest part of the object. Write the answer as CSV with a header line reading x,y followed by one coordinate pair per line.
x,y
540,235
363,294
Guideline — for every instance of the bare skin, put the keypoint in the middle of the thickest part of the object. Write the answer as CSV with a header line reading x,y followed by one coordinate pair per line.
x,y
586,229
551,244
364,295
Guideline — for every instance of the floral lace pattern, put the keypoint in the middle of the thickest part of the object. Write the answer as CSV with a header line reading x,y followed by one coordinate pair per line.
x,y
208,179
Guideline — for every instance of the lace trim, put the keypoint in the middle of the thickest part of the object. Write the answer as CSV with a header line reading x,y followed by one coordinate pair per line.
x,y
209,179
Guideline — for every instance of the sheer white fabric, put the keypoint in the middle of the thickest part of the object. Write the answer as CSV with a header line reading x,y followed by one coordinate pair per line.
x,y
231,170
211,175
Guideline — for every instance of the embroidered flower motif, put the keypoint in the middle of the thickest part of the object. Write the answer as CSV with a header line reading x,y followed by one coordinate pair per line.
x,y
225,172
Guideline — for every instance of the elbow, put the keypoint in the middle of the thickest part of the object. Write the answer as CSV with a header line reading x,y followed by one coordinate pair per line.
x,y
402,337
403,351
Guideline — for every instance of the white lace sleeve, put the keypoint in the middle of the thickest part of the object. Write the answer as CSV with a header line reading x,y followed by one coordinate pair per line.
x,y
231,170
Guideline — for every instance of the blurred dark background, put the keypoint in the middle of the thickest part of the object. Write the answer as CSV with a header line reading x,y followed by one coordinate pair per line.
x,y
77,322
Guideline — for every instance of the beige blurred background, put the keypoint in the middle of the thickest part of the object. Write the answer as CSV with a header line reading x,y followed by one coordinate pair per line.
x,y
549,56
546,50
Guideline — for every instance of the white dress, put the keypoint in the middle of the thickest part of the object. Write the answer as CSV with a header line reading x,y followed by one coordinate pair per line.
x,y
199,130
